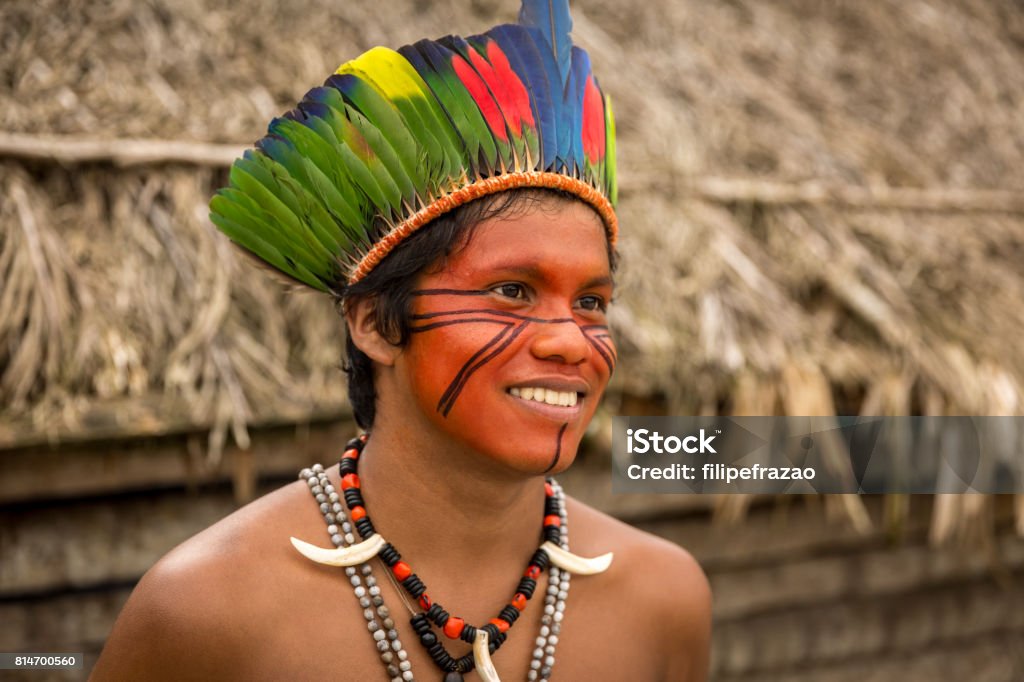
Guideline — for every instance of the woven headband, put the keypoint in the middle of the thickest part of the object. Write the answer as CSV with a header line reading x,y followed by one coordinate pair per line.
x,y
395,139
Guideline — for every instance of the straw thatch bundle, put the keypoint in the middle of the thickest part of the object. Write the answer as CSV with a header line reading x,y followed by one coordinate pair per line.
x,y
821,205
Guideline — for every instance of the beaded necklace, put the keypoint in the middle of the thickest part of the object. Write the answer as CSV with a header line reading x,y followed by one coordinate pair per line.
x,y
393,655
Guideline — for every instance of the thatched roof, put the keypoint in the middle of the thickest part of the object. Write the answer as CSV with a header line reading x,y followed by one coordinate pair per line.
x,y
821,206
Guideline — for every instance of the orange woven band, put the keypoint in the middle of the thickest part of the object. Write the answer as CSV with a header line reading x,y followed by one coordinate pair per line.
x,y
482,188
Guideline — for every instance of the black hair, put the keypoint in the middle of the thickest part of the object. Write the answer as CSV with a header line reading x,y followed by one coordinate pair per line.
x,y
390,283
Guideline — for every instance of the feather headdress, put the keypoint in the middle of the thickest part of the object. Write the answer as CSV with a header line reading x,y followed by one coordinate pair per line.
x,y
394,139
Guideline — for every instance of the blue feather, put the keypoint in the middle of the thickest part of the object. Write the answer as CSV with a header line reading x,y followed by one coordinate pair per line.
x,y
551,18
574,92
520,46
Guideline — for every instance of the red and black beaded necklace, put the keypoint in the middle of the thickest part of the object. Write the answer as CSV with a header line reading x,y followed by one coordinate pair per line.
x,y
453,627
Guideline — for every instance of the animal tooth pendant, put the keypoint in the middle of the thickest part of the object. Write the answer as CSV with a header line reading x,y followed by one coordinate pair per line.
x,y
482,657
567,561
342,556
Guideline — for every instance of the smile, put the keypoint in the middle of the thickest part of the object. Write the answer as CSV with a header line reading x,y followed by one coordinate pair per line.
x,y
545,395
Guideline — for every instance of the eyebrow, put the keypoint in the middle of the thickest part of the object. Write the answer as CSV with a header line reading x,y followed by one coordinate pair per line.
x,y
533,272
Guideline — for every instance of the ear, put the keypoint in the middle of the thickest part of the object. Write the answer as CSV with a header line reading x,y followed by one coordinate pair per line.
x,y
362,329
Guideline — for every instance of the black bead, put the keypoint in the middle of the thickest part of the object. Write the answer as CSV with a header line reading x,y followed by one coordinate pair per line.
x,y
420,624
365,527
551,507
509,614
353,498
466,663
347,466
441,618
468,634
434,612
389,555
552,534
414,586
492,631
428,638
527,587
354,444
540,559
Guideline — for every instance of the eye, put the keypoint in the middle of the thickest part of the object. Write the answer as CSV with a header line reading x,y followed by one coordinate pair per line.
x,y
593,303
511,290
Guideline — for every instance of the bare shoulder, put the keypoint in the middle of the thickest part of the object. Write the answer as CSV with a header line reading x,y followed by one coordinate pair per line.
x,y
197,612
662,579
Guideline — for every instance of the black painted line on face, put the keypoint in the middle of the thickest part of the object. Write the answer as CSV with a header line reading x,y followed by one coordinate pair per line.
x,y
601,351
491,311
465,373
444,405
558,448
606,341
450,292
435,325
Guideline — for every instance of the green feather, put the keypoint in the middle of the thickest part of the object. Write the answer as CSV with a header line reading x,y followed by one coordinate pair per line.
x,y
611,188
383,114
252,240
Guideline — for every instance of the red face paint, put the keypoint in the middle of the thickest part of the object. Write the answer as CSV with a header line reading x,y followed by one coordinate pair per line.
x,y
515,321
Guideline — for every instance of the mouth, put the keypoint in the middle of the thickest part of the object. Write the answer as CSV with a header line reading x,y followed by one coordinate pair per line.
x,y
546,396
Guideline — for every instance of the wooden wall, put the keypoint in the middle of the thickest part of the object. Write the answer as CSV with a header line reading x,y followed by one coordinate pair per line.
x,y
796,598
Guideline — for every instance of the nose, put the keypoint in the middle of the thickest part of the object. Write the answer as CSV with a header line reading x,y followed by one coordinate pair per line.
x,y
561,342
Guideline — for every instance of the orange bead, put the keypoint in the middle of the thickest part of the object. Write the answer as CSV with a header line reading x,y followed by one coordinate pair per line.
x,y
502,624
548,490
532,572
453,628
552,520
519,601
351,453
425,602
357,513
349,481
401,570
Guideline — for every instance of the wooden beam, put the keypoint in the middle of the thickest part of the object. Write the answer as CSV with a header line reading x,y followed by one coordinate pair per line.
x,y
71,150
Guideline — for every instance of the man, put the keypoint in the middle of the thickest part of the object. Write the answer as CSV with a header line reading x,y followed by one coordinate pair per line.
x,y
478,351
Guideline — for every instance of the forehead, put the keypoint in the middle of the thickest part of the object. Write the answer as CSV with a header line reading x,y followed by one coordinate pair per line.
x,y
552,235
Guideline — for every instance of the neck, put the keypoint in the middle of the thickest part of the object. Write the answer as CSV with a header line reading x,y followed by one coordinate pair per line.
x,y
443,508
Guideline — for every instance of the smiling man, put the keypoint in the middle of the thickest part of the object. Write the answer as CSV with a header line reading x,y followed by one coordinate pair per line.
x,y
455,197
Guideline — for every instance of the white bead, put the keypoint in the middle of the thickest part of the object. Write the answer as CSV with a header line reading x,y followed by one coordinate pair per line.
x,y
558,616
549,609
407,676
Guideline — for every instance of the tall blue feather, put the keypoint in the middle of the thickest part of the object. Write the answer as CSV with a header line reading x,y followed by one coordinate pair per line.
x,y
574,103
520,45
551,18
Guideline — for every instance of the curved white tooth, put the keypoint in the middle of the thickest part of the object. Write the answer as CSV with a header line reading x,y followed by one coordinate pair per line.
x,y
482,657
567,561
526,393
342,556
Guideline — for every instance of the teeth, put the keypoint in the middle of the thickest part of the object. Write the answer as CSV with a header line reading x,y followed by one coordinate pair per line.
x,y
546,395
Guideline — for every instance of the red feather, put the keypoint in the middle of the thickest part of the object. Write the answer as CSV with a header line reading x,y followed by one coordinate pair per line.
x,y
481,95
498,89
516,90
593,122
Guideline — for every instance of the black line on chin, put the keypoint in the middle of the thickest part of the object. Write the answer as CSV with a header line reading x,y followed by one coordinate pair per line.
x,y
558,448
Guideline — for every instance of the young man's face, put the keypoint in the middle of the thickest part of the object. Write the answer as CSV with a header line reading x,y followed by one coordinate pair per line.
x,y
510,351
